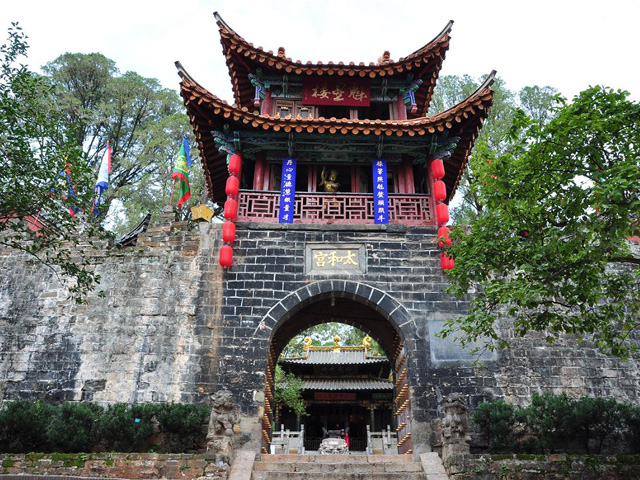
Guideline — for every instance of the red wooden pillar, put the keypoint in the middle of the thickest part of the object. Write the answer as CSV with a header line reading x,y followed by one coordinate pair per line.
x,y
258,174
266,104
401,110
409,182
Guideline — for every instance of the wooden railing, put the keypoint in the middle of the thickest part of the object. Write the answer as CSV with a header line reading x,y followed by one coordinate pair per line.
x,y
350,208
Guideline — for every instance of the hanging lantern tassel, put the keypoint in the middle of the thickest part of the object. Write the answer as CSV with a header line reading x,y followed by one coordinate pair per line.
x,y
226,256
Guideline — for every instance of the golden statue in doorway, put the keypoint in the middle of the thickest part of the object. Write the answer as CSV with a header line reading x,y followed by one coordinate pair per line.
x,y
329,183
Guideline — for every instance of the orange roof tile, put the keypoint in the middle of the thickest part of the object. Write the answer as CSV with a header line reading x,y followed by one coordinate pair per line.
x,y
243,57
208,112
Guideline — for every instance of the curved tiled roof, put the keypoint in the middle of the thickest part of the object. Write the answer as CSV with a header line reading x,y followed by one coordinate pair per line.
x,y
243,57
347,384
329,357
208,112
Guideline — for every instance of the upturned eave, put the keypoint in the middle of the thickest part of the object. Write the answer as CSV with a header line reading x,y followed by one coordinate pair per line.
x,y
243,58
207,113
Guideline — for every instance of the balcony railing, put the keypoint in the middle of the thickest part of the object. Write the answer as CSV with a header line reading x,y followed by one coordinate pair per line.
x,y
348,208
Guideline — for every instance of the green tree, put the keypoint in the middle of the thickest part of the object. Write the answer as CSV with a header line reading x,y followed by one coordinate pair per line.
x,y
493,138
550,252
43,175
322,335
143,122
289,391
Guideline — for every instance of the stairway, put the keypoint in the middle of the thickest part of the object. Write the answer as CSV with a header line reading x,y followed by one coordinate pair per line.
x,y
348,467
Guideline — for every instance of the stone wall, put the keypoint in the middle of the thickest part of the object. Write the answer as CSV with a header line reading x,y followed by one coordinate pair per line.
x,y
172,326
534,467
148,333
110,465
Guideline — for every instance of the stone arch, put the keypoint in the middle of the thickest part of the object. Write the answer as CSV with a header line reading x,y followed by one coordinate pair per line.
x,y
376,299
383,317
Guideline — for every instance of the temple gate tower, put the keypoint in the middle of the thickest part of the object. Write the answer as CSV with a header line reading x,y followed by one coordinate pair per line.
x,y
335,182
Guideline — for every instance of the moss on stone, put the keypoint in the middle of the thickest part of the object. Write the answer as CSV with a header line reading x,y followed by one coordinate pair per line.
x,y
499,458
33,457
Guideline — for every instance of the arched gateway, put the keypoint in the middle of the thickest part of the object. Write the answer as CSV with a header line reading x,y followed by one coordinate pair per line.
x,y
335,184
361,306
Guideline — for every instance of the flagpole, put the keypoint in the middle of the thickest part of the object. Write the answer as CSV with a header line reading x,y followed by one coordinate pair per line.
x,y
172,191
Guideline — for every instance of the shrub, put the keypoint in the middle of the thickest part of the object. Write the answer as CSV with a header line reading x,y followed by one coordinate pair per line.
x,y
557,423
549,420
181,425
631,416
126,428
497,421
596,421
72,427
23,426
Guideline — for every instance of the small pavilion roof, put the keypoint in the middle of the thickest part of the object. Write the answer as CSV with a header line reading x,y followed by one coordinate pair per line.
x,y
326,356
207,112
243,57
347,384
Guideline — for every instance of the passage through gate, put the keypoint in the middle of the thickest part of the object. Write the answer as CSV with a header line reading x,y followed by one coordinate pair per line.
x,y
353,384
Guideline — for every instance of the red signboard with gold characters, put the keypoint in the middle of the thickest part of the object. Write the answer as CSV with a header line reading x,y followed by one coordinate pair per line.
x,y
349,92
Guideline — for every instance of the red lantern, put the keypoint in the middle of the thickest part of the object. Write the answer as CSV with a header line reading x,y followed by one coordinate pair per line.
x,y
442,213
440,191
233,186
231,209
228,232
446,261
443,236
437,169
226,256
235,165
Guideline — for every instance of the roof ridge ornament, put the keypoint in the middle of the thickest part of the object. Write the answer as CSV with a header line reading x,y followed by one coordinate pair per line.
x,y
221,22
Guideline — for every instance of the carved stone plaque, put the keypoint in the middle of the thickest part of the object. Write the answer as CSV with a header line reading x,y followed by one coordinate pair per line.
x,y
327,259
449,351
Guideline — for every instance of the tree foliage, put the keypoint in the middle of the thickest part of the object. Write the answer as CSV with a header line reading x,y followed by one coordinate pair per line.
x,y
550,250
143,122
452,89
322,336
289,391
36,153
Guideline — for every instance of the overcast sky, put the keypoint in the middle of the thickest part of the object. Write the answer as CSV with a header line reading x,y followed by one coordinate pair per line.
x,y
568,45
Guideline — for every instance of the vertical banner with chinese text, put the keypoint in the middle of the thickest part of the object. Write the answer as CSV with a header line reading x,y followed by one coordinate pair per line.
x,y
287,190
380,197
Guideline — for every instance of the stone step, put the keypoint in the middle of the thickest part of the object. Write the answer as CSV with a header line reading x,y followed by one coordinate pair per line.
x,y
336,458
345,475
347,467
433,467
